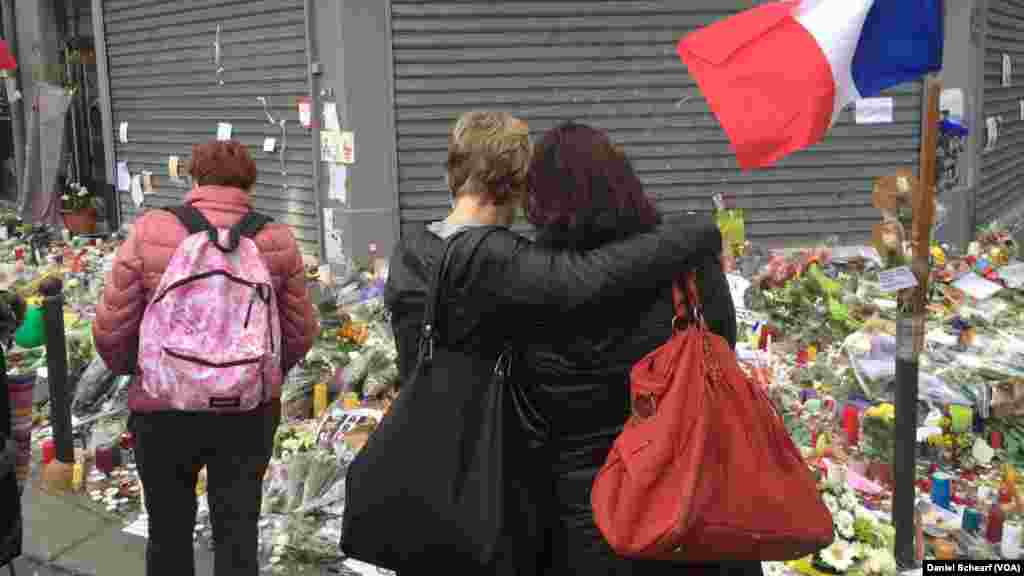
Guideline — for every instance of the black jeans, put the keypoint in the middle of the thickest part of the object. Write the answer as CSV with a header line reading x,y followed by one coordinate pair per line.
x,y
170,450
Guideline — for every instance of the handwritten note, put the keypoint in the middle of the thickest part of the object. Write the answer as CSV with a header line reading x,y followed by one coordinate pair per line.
x,y
348,148
331,116
896,279
738,286
269,144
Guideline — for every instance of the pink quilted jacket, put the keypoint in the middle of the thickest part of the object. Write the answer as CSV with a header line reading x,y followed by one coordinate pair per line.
x,y
141,260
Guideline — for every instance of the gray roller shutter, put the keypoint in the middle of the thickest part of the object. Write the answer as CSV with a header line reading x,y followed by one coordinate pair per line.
x,y
1002,168
613,64
163,82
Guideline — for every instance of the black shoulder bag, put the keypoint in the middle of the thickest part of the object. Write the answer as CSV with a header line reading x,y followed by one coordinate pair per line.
x,y
440,482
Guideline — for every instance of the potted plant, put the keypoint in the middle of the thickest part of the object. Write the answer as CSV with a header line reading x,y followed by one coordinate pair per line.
x,y
78,209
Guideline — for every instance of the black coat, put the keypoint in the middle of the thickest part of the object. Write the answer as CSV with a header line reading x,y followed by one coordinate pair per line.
x,y
508,285
577,368
10,498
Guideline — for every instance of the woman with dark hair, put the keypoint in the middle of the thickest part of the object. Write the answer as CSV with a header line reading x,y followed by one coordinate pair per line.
x,y
583,194
172,446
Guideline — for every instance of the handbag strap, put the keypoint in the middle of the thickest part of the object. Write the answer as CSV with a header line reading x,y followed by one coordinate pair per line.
x,y
686,302
436,293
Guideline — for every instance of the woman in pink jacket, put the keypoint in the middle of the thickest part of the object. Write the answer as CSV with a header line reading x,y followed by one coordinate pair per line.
x,y
172,446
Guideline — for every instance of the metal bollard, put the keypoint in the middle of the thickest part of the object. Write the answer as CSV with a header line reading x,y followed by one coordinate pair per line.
x,y
57,368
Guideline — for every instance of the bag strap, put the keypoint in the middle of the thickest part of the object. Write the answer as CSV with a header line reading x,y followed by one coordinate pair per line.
x,y
435,295
686,302
194,221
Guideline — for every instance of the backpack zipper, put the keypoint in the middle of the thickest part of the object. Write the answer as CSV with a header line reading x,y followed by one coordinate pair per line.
x,y
207,363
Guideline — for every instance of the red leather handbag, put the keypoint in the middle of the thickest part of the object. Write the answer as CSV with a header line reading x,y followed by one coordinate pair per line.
x,y
705,470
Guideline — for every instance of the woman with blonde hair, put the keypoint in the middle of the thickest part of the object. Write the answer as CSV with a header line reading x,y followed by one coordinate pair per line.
x,y
501,289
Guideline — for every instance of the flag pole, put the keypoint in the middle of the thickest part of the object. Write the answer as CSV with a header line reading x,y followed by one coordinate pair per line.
x,y
910,334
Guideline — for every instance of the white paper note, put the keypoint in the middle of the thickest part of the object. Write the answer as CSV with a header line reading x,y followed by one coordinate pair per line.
x,y
124,178
122,133
330,142
223,131
173,164
874,111
328,218
339,183
1022,110
952,101
331,116
992,133
348,148
896,279
269,144
1007,71
136,190
976,287
1013,275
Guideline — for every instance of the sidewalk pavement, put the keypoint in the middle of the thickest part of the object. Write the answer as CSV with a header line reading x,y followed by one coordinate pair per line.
x,y
64,534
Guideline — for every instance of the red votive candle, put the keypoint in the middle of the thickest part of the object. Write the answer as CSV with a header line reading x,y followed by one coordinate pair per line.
x,y
105,459
996,440
851,422
49,450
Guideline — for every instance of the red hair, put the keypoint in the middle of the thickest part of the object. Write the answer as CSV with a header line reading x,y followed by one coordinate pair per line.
x,y
223,163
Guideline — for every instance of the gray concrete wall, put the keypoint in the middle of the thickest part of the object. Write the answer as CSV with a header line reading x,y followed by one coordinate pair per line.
x,y
353,40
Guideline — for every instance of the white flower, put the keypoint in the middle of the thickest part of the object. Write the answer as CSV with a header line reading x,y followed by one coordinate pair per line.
x,y
83,192
844,524
774,568
65,197
839,556
849,501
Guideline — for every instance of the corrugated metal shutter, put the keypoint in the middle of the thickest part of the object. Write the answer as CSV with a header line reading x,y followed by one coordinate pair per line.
x,y
163,82
613,64
1002,168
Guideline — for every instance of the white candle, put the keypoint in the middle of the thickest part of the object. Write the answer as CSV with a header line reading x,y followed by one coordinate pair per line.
x,y
1011,540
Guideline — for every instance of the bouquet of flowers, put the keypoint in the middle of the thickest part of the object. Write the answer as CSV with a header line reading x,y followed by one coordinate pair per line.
x,y
859,535
76,198
877,432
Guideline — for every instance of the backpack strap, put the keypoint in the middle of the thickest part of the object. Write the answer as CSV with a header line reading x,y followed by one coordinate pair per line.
x,y
251,224
194,221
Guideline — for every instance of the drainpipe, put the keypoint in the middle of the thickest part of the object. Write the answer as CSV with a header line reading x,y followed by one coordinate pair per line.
x,y
313,70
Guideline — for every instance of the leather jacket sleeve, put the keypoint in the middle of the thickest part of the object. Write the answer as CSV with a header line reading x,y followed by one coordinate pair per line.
x,y
513,271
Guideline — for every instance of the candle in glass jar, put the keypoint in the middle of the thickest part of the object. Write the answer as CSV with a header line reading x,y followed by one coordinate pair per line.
x,y
851,422
105,458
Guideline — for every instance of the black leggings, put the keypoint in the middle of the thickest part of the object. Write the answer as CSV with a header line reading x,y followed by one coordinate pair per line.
x,y
170,450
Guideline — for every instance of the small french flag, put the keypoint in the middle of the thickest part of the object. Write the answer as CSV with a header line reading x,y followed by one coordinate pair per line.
x,y
778,75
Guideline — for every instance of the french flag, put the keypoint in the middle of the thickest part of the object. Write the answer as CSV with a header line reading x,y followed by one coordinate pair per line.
x,y
777,76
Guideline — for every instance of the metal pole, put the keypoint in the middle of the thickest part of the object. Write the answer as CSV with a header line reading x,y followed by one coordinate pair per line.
x,y
17,118
313,71
57,368
910,335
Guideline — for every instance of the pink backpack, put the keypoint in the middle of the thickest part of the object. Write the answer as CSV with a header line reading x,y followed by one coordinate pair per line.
x,y
211,336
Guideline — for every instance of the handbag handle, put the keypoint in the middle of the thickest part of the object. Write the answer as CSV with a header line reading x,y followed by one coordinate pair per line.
x,y
435,295
686,302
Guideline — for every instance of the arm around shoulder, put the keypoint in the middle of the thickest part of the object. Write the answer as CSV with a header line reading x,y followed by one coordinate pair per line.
x,y
514,271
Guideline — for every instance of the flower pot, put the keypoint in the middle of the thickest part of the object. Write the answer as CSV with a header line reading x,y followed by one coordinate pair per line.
x,y
80,221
